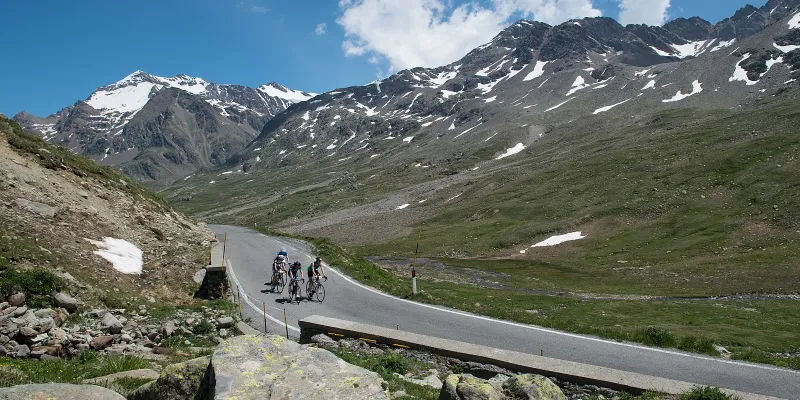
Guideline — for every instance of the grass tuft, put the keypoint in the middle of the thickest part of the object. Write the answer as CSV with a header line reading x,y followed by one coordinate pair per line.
x,y
707,393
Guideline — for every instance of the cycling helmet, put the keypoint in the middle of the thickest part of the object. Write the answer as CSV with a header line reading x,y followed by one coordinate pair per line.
x,y
283,250
319,258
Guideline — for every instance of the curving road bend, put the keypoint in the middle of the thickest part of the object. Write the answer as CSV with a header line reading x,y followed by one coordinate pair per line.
x,y
249,256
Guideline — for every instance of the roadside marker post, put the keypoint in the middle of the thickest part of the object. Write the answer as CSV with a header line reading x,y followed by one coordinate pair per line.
x,y
414,266
224,248
265,317
286,322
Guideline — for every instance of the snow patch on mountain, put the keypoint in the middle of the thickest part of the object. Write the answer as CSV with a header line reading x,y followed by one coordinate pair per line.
x,y
697,87
276,90
794,23
606,108
538,70
511,151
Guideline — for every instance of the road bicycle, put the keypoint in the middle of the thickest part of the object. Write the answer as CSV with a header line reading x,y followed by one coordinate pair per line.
x,y
295,290
278,281
313,287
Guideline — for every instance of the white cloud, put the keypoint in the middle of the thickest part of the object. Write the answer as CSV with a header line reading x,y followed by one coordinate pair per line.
x,y
258,9
650,12
321,29
374,59
429,33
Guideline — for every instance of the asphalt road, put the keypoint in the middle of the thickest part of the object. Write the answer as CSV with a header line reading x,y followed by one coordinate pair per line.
x,y
249,256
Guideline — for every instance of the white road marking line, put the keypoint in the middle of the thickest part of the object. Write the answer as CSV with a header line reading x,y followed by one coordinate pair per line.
x,y
541,329
572,335
244,296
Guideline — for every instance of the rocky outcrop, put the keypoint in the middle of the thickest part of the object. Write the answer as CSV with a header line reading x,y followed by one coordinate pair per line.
x,y
58,391
39,333
254,367
522,387
135,374
178,382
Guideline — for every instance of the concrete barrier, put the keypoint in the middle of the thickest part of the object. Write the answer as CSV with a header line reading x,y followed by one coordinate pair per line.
x,y
569,371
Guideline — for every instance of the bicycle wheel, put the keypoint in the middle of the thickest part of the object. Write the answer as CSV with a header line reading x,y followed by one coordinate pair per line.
x,y
310,287
320,292
280,282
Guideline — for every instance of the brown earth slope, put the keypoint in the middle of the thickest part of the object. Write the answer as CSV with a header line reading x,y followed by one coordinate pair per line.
x,y
52,201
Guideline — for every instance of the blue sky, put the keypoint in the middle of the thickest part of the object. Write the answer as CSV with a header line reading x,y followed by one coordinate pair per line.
x,y
58,52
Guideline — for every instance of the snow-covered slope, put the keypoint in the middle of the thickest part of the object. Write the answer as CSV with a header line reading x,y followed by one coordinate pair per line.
x,y
89,125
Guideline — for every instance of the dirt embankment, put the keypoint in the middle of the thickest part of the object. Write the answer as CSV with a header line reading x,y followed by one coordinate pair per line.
x,y
57,209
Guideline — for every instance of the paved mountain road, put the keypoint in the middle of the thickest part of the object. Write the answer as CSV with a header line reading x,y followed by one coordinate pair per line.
x,y
249,256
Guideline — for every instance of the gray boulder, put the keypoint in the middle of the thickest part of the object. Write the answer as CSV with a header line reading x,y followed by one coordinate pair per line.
x,y
224,322
65,301
40,209
468,387
21,351
16,299
533,387
111,324
167,329
177,382
134,374
58,391
256,367
520,387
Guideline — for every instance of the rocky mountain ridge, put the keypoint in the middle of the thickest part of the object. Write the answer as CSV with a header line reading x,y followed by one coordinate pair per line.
x,y
101,126
541,76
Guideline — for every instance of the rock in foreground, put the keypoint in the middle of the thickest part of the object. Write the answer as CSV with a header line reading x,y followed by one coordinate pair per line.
x,y
522,387
59,391
255,367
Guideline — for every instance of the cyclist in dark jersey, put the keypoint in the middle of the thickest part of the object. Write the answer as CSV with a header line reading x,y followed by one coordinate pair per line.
x,y
315,270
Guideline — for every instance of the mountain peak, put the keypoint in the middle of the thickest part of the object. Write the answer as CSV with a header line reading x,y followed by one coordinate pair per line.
x,y
275,89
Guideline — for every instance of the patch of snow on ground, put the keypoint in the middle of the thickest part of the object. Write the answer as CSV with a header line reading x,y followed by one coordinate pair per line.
x,y
558,105
723,44
123,255
691,49
740,74
447,94
443,77
794,23
556,240
661,52
486,88
697,87
490,99
538,70
402,207
374,155
427,124
650,85
212,182
452,126
510,152
454,197
641,73
490,137
606,108
786,48
282,152
476,125
408,139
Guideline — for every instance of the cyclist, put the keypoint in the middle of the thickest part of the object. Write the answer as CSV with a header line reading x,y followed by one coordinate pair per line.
x,y
284,254
278,265
315,270
296,274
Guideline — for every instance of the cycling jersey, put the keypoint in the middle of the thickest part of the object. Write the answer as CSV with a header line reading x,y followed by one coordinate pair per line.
x,y
295,271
